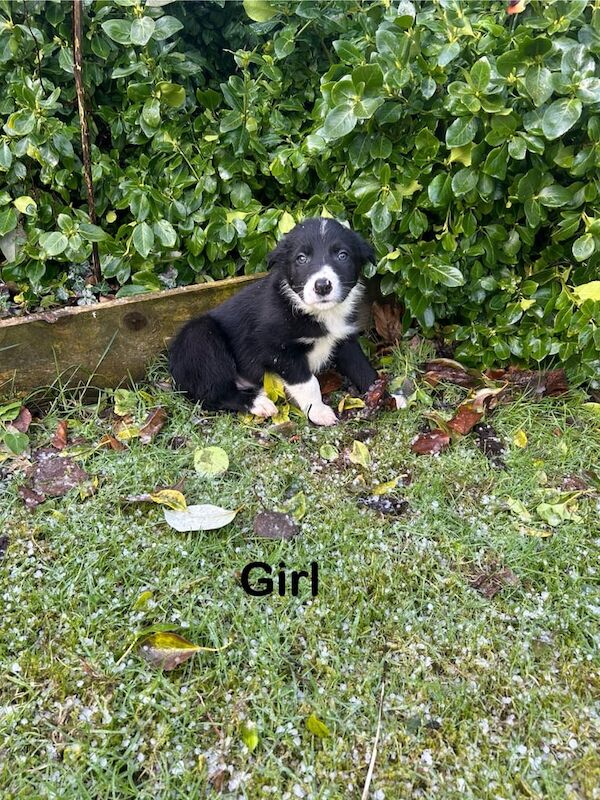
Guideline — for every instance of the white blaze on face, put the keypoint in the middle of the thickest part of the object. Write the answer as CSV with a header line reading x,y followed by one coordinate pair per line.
x,y
310,295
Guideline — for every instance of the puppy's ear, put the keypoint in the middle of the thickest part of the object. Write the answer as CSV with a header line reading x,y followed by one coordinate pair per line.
x,y
365,250
277,258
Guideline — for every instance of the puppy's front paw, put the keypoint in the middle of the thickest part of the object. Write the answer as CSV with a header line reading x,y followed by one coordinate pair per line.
x,y
263,407
322,415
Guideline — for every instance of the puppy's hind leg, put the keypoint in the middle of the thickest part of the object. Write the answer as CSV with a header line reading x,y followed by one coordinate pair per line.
x,y
203,366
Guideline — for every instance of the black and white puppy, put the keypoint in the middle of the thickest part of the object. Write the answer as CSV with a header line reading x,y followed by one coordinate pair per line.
x,y
295,321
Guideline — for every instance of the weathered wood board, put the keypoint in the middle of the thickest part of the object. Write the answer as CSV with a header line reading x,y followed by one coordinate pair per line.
x,y
103,345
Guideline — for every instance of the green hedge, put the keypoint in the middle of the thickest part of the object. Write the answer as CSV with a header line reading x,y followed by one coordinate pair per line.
x,y
464,141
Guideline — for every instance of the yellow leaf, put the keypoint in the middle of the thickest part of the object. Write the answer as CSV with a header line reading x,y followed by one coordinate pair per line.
x,y
316,727
273,386
171,498
25,204
593,407
383,488
142,600
520,438
127,432
540,533
283,415
325,212
360,454
347,403
286,223
525,304
587,291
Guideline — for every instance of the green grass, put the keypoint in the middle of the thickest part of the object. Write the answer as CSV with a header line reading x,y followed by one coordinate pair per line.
x,y
484,698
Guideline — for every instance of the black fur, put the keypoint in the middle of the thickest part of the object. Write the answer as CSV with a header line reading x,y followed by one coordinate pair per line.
x,y
220,358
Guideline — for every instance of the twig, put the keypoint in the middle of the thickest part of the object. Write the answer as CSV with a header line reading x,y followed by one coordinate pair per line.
x,y
85,131
365,793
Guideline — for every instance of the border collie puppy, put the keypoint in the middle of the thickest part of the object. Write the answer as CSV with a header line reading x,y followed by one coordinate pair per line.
x,y
295,321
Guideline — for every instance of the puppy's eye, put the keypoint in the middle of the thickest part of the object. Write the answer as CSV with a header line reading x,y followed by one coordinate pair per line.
x,y
301,258
342,255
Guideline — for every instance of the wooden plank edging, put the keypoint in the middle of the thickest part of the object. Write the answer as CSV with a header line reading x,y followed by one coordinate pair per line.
x,y
105,344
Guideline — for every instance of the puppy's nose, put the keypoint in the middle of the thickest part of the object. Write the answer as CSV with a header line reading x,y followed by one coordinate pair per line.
x,y
323,286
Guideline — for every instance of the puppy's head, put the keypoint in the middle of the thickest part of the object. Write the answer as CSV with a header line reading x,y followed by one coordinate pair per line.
x,y
320,263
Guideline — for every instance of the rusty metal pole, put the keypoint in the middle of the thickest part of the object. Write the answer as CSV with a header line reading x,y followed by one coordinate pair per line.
x,y
84,128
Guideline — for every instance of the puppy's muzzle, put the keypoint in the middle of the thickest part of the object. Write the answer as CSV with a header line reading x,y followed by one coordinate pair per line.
x,y
323,287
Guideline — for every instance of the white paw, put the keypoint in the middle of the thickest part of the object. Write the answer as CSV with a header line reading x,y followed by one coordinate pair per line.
x,y
322,415
263,407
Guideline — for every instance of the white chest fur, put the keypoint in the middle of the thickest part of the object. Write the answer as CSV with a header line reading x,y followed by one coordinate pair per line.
x,y
339,325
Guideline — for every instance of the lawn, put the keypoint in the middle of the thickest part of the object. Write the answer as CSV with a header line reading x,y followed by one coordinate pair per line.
x,y
474,619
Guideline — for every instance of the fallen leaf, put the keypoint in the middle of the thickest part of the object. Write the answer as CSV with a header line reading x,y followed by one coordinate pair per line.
x,y
557,512
540,533
124,432
330,381
348,403
249,734
274,525
142,601
317,727
23,420
385,505
296,506
520,439
165,650
360,454
59,440
114,443
490,444
16,441
54,475
430,443
170,498
387,486
377,396
31,498
450,371
387,319
572,483
518,508
465,418
273,386
204,517
126,402
492,579
484,399
210,461
541,384
152,424
328,452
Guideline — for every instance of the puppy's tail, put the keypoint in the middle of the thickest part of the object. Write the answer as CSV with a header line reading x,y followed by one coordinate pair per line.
x,y
202,366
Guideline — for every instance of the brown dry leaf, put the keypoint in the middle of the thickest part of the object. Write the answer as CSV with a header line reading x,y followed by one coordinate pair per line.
x,y
275,525
110,440
54,475
389,506
30,497
431,443
573,483
152,424
387,319
59,440
490,444
490,580
446,369
465,418
166,650
542,384
23,420
330,381
377,396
